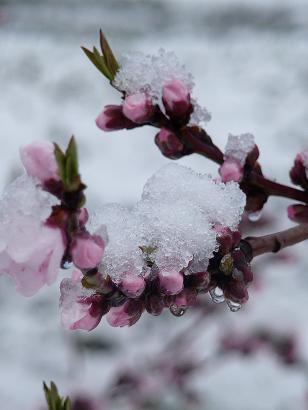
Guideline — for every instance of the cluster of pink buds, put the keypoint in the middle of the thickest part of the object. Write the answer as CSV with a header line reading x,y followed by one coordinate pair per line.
x,y
231,270
156,90
240,159
299,176
85,299
283,345
140,109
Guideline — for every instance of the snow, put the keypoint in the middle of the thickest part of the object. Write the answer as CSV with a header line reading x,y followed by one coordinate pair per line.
x,y
175,217
239,146
147,73
253,76
23,197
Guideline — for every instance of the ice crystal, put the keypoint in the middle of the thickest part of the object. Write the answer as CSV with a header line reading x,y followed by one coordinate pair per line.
x,y
239,146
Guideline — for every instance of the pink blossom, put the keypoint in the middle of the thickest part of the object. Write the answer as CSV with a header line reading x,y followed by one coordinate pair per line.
x,y
171,281
31,254
132,285
87,250
138,108
125,315
231,170
176,98
113,119
80,308
39,160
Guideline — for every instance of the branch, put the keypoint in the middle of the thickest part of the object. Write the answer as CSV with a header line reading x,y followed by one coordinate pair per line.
x,y
273,188
277,241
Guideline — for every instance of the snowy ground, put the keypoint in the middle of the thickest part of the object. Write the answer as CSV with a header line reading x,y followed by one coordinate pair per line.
x,y
249,59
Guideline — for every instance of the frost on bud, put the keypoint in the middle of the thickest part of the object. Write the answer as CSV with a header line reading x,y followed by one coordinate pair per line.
x,y
125,315
240,152
298,213
231,170
113,119
176,98
169,144
39,161
87,251
170,281
226,238
138,108
299,171
80,308
132,285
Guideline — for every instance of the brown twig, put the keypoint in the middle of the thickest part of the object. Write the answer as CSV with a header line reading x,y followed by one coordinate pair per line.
x,y
277,241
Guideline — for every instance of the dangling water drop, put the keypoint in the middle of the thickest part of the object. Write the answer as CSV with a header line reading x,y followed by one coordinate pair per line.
x,y
233,306
177,310
254,216
67,265
217,295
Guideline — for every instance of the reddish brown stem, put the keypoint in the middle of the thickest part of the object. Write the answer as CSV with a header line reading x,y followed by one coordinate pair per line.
x,y
277,241
204,146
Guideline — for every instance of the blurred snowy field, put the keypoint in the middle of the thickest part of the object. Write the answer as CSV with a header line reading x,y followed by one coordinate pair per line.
x,y
250,62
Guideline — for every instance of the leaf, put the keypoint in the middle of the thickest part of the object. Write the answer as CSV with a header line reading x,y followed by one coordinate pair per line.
x,y
60,158
71,166
105,63
92,58
102,63
54,400
109,57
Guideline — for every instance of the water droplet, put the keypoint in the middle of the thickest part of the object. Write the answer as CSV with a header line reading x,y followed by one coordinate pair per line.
x,y
217,295
233,306
177,310
67,265
254,216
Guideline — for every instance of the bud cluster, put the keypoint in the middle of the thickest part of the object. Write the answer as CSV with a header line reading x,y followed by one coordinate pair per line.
x,y
156,90
284,345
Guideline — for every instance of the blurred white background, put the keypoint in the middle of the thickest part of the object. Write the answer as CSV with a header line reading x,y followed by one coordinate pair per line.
x,y
249,59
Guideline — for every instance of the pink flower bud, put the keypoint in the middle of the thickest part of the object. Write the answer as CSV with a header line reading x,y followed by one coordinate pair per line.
x,y
176,98
39,161
87,251
169,144
132,285
171,281
138,108
231,170
298,213
154,304
236,291
299,171
186,298
125,315
113,119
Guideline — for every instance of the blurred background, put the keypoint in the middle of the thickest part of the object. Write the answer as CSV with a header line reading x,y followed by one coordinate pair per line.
x,y
249,59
